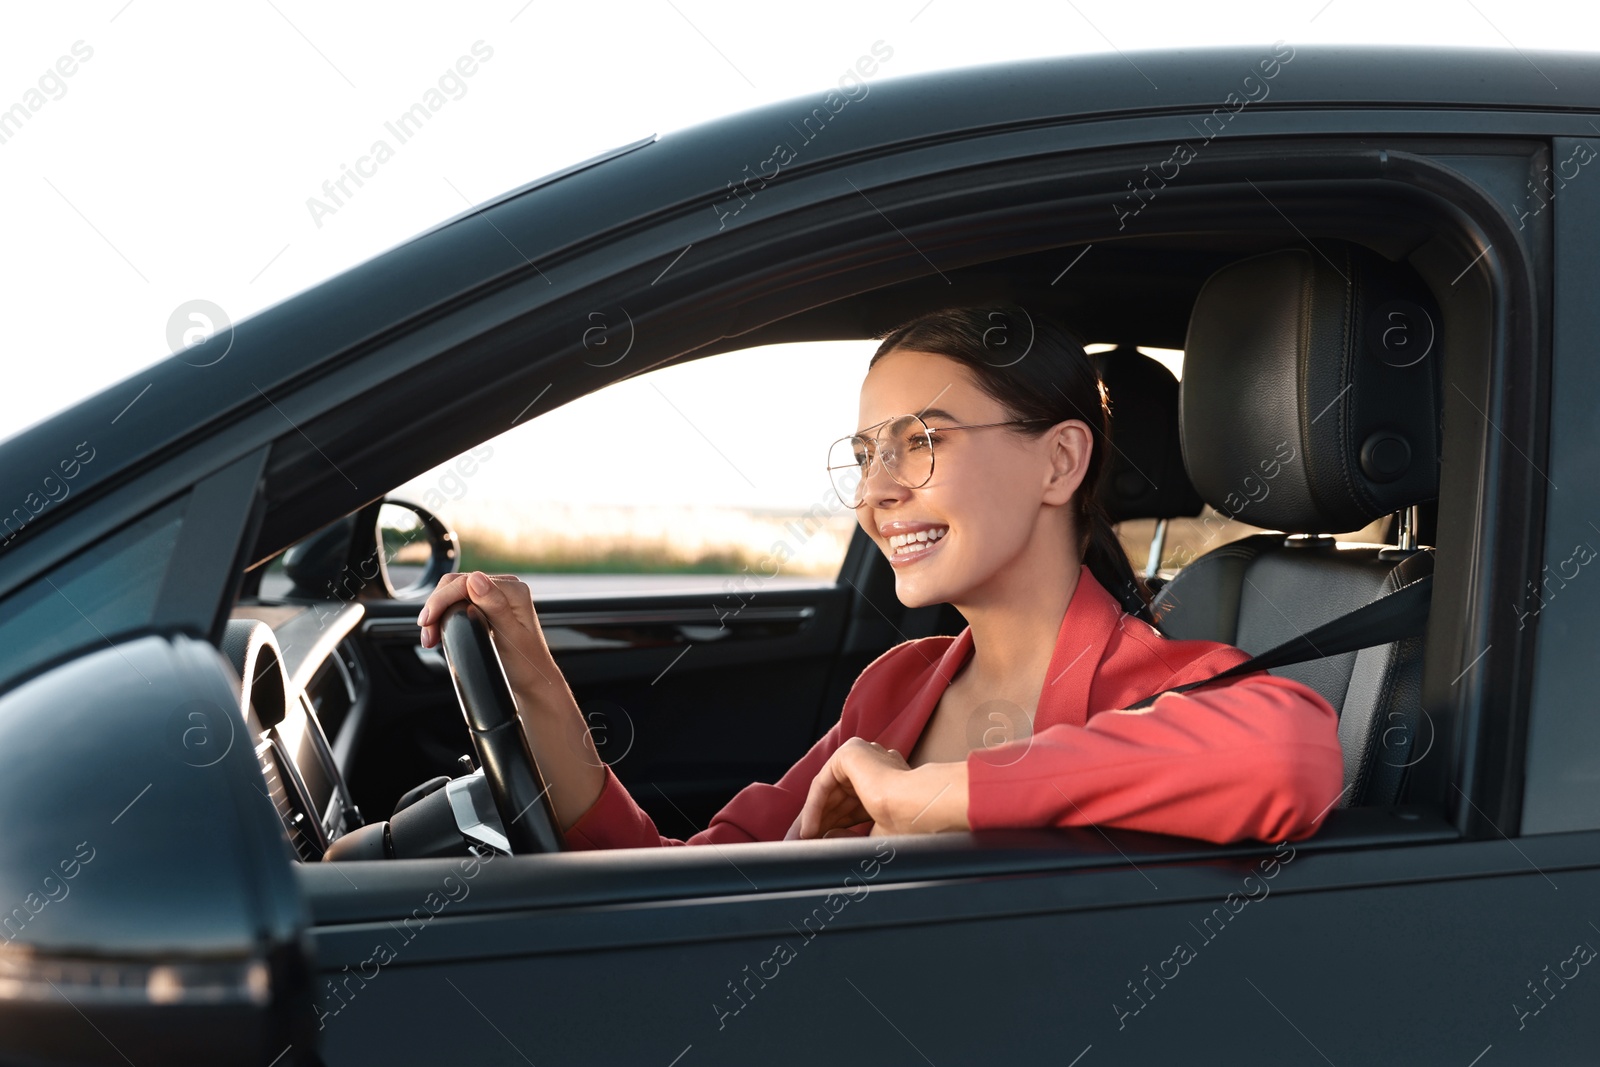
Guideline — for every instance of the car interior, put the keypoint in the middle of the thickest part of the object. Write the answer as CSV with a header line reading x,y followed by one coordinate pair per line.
x,y
1309,407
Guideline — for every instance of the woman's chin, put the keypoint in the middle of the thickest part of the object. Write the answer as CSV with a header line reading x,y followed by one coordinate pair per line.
x,y
922,590
927,577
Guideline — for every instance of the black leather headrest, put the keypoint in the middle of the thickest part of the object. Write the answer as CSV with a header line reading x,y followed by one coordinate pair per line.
x,y
1310,397
1144,474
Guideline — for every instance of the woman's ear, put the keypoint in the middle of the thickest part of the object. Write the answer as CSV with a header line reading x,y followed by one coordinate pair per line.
x,y
1070,445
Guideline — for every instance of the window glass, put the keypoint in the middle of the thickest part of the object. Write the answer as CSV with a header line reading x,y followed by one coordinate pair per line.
x,y
666,482
105,591
1190,538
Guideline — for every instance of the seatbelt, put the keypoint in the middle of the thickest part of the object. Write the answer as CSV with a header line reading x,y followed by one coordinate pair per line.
x,y
1392,617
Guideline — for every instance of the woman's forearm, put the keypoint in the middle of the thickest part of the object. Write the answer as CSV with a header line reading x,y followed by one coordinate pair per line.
x,y
572,769
1258,759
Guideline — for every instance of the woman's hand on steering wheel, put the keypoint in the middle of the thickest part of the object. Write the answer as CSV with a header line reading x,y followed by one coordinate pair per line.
x,y
506,604
503,653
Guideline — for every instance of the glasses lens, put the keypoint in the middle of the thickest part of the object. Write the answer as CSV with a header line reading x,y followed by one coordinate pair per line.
x,y
908,451
905,451
847,465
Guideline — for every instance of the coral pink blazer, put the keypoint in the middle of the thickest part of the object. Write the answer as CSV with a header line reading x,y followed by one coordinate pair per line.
x,y
1257,757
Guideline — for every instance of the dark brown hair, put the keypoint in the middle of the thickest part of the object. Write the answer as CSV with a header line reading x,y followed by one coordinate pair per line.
x,y
1038,372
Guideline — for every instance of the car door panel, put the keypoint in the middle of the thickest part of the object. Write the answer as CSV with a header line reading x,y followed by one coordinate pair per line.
x,y
1048,960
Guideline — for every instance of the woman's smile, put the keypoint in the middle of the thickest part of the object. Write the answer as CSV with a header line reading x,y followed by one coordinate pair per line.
x,y
910,542
914,551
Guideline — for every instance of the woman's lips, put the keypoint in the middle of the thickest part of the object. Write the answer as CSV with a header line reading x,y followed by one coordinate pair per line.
x,y
908,549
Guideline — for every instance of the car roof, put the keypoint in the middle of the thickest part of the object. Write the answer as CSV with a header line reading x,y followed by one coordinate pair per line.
x,y
304,334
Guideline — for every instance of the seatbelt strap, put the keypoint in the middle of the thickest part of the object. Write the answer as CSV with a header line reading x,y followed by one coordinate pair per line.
x,y
1391,617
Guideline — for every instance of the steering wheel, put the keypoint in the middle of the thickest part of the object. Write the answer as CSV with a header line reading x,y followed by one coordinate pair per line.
x,y
509,767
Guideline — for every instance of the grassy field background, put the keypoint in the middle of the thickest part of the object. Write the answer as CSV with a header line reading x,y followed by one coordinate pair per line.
x,y
622,539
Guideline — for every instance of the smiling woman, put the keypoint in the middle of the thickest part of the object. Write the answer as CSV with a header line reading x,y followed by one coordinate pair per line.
x,y
991,727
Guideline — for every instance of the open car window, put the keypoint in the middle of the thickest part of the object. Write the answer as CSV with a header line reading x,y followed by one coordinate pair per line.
x,y
696,689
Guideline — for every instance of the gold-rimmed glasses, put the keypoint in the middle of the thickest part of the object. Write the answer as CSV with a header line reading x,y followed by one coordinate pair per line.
x,y
903,446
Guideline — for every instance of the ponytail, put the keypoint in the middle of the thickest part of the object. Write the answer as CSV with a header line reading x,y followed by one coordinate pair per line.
x,y
1108,561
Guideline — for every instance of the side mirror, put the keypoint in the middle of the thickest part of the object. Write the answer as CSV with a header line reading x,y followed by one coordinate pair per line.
x,y
171,930
415,548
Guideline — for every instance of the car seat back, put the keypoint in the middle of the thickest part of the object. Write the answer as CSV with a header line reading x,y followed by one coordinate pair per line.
x,y
1309,404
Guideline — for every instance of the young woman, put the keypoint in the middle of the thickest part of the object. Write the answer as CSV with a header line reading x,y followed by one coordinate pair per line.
x,y
974,473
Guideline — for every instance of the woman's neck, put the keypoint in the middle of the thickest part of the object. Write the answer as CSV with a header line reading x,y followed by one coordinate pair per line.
x,y
1015,626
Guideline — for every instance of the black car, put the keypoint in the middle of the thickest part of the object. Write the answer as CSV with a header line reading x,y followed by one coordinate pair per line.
x,y
1379,265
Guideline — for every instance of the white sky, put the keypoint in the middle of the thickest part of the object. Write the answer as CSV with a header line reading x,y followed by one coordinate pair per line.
x,y
175,163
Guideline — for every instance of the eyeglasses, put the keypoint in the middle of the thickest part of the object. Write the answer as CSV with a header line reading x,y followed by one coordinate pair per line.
x,y
904,449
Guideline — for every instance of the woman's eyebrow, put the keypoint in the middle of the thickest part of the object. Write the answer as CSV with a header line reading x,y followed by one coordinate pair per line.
x,y
926,413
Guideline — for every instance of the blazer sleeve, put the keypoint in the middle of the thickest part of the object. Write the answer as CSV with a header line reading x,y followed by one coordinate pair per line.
x,y
1256,758
758,812
762,812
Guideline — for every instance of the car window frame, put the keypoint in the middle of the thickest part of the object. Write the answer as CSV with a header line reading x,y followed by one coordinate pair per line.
x,y
1563,744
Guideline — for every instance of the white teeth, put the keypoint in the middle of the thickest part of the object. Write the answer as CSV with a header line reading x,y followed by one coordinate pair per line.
x,y
906,543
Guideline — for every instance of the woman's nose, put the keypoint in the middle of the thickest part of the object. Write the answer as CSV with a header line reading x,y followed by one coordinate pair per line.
x,y
879,487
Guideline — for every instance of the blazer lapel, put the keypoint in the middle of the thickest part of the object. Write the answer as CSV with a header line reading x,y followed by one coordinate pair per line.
x,y
1080,645
905,729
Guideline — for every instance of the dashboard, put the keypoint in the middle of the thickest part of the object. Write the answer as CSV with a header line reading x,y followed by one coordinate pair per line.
x,y
299,684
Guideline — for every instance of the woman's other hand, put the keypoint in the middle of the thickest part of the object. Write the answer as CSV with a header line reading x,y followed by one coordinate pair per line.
x,y
865,782
507,606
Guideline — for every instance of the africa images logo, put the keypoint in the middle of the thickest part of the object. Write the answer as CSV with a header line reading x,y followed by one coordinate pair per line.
x,y
199,333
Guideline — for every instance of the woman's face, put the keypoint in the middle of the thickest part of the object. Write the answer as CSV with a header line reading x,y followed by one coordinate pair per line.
x,y
985,510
